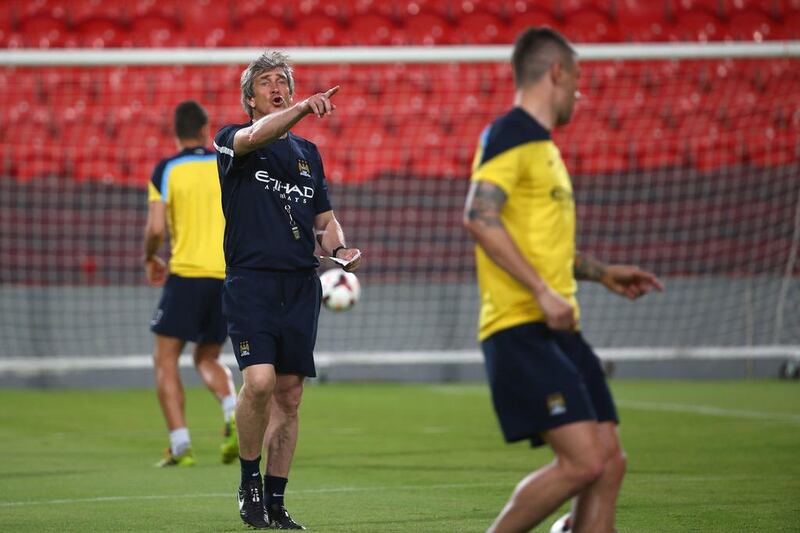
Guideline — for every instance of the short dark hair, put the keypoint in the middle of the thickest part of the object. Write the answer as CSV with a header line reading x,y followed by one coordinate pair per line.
x,y
190,117
535,50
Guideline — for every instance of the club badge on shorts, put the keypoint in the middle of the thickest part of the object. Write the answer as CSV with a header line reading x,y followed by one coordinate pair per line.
x,y
556,404
244,348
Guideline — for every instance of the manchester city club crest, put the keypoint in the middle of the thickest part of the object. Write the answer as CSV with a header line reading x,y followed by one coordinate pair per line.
x,y
303,168
244,348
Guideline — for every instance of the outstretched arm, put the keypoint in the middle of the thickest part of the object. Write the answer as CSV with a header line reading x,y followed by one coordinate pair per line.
x,y
273,126
331,239
626,280
482,219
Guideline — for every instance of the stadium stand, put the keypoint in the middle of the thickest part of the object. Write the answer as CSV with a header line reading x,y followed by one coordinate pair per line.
x,y
710,117
709,139
105,104
145,23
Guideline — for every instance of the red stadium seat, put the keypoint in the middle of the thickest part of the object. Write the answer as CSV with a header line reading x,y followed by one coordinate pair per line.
x,y
751,26
101,33
170,10
642,20
479,28
22,11
790,27
769,147
255,31
532,17
38,160
646,155
697,26
567,7
153,31
591,26
716,8
772,8
207,23
370,30
715,149
246,9
314,30
43,32
426,29
84,10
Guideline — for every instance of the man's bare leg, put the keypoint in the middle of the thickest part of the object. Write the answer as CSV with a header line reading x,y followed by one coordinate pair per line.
x,y
216,375
280,440
169,388
595,506
252,409
578,463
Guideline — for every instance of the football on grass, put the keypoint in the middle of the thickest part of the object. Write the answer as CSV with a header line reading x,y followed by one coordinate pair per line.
x,y
340,290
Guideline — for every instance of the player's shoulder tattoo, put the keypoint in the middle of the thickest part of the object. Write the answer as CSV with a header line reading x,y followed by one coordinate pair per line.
x,y
484,203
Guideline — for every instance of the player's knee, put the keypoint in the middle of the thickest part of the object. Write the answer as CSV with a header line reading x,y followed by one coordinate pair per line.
x,y
584,471
166,370
288,400
259,386
617,463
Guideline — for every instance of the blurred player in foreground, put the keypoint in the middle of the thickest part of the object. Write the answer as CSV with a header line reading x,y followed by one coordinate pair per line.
x,y
275,200
547,384
184,191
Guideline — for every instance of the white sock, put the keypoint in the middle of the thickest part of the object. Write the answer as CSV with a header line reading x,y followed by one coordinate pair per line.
x,y
228,406
179,441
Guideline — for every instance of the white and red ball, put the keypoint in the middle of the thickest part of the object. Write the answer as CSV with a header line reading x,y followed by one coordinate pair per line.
x,y
340,290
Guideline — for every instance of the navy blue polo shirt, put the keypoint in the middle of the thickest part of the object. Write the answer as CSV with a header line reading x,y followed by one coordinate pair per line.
x,y
259,190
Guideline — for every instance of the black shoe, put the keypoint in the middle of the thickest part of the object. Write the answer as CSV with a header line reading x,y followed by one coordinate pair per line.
x,y
251,504
279,518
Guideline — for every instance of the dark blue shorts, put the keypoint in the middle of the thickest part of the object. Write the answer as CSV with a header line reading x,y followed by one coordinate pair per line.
x,y
191,309
542,379
272,318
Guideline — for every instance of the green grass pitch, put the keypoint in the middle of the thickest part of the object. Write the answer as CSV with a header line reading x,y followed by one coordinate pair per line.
x,y
703,456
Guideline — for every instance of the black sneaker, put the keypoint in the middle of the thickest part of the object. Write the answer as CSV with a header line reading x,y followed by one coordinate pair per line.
x,y
279,518
251,504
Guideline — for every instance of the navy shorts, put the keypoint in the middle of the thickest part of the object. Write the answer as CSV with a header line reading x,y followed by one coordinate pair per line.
x,y
542,379
272,318
191,309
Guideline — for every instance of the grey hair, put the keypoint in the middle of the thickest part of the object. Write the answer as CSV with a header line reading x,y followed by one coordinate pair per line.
x,y
269,60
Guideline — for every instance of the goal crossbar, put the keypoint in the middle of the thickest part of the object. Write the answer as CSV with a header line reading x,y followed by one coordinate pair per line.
x,y
404,54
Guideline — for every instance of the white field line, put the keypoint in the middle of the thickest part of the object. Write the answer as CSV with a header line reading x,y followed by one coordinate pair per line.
x,y
231,495
709,411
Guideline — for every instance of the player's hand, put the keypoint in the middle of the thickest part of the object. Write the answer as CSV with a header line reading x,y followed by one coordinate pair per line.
x,y
630,281
156,271
352,256
559,312
320,104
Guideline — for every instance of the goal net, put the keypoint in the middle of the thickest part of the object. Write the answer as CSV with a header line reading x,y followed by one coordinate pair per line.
x,y
684,161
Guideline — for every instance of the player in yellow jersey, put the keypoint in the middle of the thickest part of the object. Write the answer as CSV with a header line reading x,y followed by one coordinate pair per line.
x,y
547,384
184,197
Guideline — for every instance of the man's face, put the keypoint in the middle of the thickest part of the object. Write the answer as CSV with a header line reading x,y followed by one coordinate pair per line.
x,y
567,92
271,92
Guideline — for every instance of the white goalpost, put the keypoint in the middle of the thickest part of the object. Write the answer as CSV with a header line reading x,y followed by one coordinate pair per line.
x,y
684,157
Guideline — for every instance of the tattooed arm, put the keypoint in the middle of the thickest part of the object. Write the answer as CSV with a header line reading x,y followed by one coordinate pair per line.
x,y
482,219
588,268
626,280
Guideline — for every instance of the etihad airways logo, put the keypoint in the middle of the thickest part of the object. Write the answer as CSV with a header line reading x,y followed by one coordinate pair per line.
x,y
286,191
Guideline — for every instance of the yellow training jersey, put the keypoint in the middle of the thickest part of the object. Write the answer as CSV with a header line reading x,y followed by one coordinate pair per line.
x,y
188,183
517,154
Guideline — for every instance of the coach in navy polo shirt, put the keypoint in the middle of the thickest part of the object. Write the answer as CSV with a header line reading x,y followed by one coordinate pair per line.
x,y
276,206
